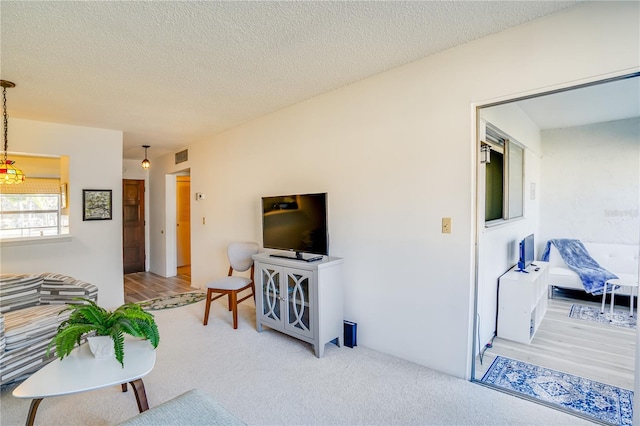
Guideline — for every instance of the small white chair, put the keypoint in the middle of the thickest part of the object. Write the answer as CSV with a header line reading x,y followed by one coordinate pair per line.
x,y
240,260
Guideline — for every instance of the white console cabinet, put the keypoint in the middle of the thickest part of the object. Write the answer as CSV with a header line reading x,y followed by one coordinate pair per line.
x,y
301,299
522,302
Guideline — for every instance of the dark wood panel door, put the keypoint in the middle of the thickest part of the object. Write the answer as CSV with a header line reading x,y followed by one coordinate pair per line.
x,y
133,225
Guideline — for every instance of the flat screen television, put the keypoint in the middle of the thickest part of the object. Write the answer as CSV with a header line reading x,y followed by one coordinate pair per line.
x,y
526,250
296,223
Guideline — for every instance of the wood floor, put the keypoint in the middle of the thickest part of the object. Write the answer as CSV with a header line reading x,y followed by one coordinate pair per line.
x,y
141,286
600,352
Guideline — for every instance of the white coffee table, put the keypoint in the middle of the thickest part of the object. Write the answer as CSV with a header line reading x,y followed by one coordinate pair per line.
x,y
81,372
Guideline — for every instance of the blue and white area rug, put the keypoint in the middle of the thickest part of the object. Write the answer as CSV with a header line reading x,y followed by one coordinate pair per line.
x,y
600,401
620,318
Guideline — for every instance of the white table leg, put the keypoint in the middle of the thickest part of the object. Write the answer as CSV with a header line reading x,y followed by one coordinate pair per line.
x,y
613,291
631,303
604,298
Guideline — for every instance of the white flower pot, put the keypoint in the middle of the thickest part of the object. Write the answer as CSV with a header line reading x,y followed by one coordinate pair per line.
x,y
101,346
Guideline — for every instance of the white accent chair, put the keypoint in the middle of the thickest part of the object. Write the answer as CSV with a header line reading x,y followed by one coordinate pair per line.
x,y
240,260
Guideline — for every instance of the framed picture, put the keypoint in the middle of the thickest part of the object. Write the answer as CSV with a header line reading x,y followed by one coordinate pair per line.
x,y
96,204
63,196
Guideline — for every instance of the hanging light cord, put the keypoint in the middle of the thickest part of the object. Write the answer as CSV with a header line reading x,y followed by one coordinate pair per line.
x,y
6,122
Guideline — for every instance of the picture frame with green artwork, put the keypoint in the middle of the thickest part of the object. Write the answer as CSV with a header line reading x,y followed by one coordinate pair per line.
x,y
97,204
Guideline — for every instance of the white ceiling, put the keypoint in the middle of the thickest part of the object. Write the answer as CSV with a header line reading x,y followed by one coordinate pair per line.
x,y
172,73
609,101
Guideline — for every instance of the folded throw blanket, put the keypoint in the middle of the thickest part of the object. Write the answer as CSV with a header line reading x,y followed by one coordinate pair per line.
x,y
577,258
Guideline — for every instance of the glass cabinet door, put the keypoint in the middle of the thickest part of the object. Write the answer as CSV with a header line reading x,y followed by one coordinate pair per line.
x,y
270,283
299,303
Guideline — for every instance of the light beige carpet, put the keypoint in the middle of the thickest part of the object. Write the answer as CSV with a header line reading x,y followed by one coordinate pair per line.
x,y
271,379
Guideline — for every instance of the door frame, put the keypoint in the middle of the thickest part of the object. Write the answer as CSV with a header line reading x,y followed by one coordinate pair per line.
x,y
478,215
171,235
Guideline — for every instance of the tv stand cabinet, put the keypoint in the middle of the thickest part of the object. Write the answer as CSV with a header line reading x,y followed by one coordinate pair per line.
x,y
522,302
301,299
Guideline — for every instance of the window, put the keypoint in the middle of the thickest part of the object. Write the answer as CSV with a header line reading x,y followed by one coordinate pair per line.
x,y
32,209
29,215
504,185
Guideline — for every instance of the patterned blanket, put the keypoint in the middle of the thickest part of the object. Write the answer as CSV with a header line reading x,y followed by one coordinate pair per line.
x,y
577,258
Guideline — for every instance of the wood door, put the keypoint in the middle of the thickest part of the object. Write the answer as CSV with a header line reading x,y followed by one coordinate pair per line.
x,y
183,217
133,225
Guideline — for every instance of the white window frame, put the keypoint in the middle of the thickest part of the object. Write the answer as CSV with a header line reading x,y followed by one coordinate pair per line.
x,y
512,174
29,230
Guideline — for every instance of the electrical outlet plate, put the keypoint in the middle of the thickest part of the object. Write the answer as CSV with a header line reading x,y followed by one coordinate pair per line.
x,y
446,225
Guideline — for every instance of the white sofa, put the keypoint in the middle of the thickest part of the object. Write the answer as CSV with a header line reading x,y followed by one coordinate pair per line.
x,y
620,259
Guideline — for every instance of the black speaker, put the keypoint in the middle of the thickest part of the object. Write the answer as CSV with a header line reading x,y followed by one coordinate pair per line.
x,y
350,332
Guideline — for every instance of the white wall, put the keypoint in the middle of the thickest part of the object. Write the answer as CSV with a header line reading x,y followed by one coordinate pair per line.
x,y
162,213
594,171
396,153
94,253
498,245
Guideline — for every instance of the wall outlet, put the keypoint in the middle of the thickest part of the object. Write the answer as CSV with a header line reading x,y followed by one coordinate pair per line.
x,y
446,225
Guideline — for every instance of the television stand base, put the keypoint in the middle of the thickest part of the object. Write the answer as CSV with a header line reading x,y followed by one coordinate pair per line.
x,y
297,257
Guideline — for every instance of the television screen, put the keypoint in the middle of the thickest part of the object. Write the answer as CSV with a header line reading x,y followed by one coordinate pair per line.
x,y
526,252
296,223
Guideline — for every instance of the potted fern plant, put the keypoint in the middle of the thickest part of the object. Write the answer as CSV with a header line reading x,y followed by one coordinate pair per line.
x,y
90,319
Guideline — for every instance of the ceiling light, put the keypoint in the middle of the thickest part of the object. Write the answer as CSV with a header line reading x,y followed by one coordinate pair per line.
x,y
9,174
145,163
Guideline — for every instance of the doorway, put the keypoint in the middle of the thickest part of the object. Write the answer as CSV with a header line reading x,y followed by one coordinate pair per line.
x,y
133,242
564,175
183,225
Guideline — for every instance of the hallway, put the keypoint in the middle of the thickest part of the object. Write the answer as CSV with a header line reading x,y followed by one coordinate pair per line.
x,y
140,286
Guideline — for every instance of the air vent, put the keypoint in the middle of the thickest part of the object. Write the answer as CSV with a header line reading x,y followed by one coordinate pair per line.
x,y
182,156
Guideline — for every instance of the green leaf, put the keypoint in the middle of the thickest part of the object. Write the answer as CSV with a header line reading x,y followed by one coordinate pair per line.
x,y
118,345
88,317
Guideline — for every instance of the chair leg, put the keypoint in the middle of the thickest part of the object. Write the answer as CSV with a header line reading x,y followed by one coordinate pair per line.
x,y
207,307
233,305
230,299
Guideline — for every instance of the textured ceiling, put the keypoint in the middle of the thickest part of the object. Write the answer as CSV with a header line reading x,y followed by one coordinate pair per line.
x,y
172,73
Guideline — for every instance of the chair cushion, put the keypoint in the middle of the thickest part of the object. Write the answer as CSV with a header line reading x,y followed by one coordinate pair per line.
x,y
239,255
229,283
28,325
19,291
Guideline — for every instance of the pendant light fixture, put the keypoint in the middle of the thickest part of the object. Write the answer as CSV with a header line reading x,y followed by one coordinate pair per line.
x,y
9,174
145,163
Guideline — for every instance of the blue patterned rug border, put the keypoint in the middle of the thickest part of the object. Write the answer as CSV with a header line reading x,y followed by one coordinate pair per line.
x,y
600,401
590,313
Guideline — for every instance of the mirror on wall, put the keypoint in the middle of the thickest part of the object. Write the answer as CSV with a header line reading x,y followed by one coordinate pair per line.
x,y
38,207
580,181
